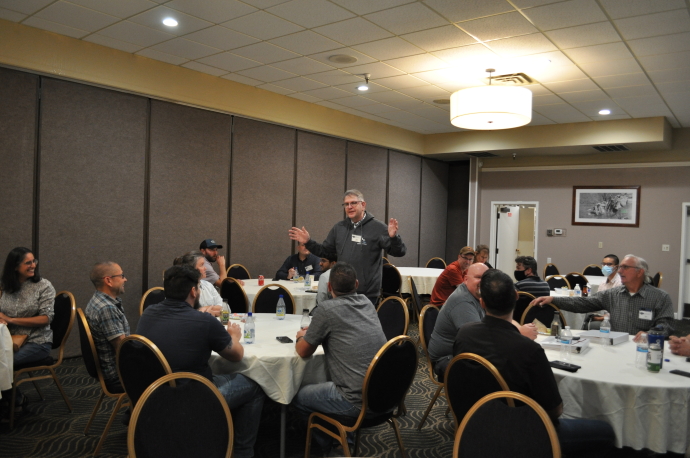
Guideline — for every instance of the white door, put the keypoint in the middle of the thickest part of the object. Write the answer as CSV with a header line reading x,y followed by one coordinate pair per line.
x,y
507,227
685,266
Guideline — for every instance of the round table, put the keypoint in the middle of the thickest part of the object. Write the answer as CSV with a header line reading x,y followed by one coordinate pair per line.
x,y
6,359
424,279
646,410
303,299
575,320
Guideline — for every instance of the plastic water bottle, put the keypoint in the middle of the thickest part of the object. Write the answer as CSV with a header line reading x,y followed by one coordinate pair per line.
x,y
307,280
577,291
225,312
588,291
641,353
306,319
556,325
249,329
280,308
566,344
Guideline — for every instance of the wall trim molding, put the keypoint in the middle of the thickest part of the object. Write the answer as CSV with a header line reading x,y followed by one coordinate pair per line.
x,y
586,166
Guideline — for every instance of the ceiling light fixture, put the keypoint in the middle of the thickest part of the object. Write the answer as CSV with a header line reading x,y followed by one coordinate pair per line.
x,y
170,22
491,107
364,86
604,112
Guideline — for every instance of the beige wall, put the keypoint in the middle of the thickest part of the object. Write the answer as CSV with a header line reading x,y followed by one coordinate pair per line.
x,y
526,232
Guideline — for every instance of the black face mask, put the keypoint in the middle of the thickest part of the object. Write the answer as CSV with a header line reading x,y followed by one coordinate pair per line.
x,y
519,275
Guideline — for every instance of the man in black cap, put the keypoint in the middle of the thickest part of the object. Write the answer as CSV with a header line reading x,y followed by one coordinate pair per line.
x,y
209,248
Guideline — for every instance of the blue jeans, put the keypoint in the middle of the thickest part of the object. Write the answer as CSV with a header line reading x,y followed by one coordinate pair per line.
x,y
324,398
32,353
245,399
586,438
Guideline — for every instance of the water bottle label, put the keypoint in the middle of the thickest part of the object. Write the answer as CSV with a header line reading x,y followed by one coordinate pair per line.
x,y
249,335
642,350
605,331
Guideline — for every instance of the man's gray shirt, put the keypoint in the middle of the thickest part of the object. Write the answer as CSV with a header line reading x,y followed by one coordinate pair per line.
x,y
460,308
625,309
211,275
322,293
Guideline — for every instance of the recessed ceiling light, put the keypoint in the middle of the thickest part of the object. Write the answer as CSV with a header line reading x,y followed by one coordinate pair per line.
x,y
604,112
170,22
365,85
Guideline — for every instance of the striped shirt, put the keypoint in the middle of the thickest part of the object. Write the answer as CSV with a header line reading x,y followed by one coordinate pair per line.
x,y
534,286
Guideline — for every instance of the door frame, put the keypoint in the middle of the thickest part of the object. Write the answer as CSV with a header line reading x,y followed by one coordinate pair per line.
x,y
685,207
494,220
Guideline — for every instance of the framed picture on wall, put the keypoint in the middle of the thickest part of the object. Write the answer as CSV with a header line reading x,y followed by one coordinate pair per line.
x,y
606,206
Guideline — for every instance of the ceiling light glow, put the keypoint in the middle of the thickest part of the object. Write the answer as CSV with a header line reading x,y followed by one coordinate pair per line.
x,y
170,22
365,85
605,112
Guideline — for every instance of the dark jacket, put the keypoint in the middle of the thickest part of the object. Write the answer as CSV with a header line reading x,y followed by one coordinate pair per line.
x,y
295,261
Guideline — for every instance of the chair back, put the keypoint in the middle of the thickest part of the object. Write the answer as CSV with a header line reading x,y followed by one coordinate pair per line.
x,y
88,348
385,260
557,281
521,304
65,310
153,296
139,364
492,428
232,291
427,321
657,279
574,278
593,270
394,317
239,272
436,263
180,420
469,378
550,269
543,314
391,281
266,299
416,300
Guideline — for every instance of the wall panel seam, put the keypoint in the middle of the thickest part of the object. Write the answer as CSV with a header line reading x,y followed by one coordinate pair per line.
x,y
35,214
228,250
147,200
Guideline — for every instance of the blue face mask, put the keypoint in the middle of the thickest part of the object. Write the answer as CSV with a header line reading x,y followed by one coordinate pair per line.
x,y
607,270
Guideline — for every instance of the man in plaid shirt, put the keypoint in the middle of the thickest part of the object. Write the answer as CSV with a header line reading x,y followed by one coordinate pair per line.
x,y
635,307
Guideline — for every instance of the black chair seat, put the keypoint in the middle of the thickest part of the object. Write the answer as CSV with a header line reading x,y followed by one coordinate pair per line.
x,y
47,361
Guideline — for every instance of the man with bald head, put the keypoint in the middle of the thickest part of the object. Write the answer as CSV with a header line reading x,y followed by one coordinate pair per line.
x,y
107,319
461,307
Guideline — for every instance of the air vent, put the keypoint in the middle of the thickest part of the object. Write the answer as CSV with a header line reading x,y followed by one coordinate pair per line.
x,y
512,79
482,154
342,59
608,148
442,101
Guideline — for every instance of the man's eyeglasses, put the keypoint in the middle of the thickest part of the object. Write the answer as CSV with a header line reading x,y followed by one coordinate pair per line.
x,y
352,204
32,262
118,275
471,258
624,267
610,264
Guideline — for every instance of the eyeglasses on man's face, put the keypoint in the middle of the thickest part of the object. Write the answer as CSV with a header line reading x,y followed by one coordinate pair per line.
x,y
624,267
471,258
352,204
610,264
118,275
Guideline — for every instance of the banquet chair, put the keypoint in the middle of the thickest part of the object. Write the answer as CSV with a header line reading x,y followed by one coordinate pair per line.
x,y
233,292
557,281
394,317
385,260
266,299
62,323
153,296
239,272
550,269
522,303
179,420
93,367
391,281
574,278
493,428
543,314
427,321
593,270
415,299
139,364
469,378
436,263
386,383
657,279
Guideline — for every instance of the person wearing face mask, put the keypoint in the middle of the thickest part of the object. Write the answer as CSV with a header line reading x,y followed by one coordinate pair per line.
x,y
609,266
527,278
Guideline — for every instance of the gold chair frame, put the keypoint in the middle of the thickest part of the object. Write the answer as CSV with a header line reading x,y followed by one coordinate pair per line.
x,y
551,264
430,367
227,271
231,279
403,305
530,307
285,291
152,346
567,283
143,298
440,259
588,266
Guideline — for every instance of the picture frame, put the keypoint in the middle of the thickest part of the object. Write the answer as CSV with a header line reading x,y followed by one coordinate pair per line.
x,y
617,206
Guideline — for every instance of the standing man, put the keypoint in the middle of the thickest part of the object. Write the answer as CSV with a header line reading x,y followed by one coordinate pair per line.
x,y
209,248
107,319
326,264
299,264
186,339
358,241
451,277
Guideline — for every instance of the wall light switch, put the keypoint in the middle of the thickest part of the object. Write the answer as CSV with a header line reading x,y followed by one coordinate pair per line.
x,y
548,260
665,247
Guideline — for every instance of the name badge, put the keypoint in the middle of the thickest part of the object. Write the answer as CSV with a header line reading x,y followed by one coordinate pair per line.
x,y
356,238
646,314
308,268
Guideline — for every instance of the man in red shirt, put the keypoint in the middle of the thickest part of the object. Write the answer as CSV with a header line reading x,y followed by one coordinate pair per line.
x,y
452,276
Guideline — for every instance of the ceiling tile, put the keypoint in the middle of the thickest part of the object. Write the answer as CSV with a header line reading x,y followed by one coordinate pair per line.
x,y
676,60
135,33
302,66
204,68
666,76
154,18
354,101
265,53
353,31
631,91
539,120
376,70
598,117
449,78
660,45
262,25
263,4
267,73
113,43
631,79
550,99
445,37
76,16
522,46
221,38
599,53
562,113
215,11
648,111
25,6
367,6
618,67
457,11
500,26
418,63
402,81
584,35
242,79
168,58
185,48
319,12
378,108
328,93
361,58
625,8
10,15
388,48
274,88
230,62
532,3
583,96
566,14
571,86
560,73
654,24
636,102
476,55
333,77
674,87
407,18
300,84
306,42
538,90
39,23
304,97
121,8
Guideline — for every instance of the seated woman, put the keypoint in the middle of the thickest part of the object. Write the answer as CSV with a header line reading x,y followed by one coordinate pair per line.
x,y
210,301
482,255
27,307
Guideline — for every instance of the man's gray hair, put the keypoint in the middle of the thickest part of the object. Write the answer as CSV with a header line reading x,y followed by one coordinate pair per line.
x,y
354,192
640,263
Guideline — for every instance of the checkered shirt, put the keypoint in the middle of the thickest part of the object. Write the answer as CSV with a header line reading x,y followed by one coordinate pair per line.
x,y
107,321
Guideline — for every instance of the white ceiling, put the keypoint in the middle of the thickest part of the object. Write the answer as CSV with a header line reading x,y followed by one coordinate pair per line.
x,y
630,56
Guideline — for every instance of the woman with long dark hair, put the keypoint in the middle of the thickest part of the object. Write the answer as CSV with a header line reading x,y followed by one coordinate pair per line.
x,y
27,307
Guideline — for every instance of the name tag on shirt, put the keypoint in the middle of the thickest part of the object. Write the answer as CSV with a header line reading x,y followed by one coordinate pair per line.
x,y
308,268
646,314
356,238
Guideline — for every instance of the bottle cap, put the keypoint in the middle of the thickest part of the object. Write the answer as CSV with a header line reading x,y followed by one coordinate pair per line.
x,y
281,296
249,313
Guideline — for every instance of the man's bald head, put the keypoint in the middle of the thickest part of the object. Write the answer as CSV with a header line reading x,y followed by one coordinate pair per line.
x,y
473,277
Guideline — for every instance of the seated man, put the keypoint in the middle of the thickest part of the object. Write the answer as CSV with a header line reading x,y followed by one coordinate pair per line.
x,y
462,307
679,345
452,276
210,248
635,307
299,264
527,277
525,368
350,331
609,267
325,264
186,339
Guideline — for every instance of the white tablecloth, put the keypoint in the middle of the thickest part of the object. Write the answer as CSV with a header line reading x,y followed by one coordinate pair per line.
x,y
303,299
6,359
424,279
575,320
646,410
275,366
